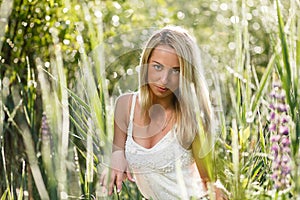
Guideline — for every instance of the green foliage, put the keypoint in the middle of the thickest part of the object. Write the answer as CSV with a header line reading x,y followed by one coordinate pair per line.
x,y
68,60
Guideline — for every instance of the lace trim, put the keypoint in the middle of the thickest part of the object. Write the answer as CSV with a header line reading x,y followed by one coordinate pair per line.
x,y
162,159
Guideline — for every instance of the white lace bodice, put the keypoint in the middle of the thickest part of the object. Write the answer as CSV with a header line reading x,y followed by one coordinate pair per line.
x,y
165,171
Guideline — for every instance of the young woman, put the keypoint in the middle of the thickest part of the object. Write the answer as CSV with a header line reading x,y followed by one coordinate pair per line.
x,y
157,140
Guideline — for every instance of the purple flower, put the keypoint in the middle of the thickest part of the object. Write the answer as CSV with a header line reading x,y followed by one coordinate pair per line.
x,y
282,107
286,150
284,130
281,96
273,94
272,115
285,142
279,138
285,159
272,127
275,138
276,84
272,106
275,149
284,119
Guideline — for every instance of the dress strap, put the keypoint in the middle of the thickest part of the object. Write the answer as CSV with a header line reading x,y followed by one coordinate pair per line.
x,y
130,125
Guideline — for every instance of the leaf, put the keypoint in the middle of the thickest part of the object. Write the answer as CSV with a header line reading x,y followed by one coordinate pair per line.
x,y
244,136
262,85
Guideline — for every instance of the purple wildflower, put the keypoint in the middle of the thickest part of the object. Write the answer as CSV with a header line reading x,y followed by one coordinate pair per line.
x,y
272,115
275,138
286,150
272,106
285,142
285,159
284,130
275,149
273,94
272,127
279,129
284,119
282,107
276,85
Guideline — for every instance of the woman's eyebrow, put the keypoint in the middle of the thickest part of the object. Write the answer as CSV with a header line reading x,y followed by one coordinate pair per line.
x,y
175,67
158,63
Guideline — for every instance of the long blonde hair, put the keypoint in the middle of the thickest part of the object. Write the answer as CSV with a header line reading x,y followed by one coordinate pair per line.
x,y
191,82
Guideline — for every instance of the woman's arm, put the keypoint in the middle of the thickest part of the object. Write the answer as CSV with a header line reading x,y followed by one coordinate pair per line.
x,y
206,170
119,167
204,164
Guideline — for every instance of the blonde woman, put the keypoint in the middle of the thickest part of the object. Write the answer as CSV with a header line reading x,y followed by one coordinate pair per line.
x,y
156,131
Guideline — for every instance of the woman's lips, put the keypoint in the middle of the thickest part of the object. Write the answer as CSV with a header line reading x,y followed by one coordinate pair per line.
x,y
161,89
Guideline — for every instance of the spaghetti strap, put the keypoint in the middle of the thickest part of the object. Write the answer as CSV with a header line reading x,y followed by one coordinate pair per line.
x,y
130,125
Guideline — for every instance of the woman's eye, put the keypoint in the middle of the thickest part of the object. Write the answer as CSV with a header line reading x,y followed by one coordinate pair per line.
x,y
176,71
157,67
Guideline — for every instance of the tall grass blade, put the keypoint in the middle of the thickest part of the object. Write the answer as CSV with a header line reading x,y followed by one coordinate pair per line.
x,y
95,100
50,116
246,60
288,82
23,129
287,74
263,84
65,124
36,172
21,192
297,87
47,155
233,96
78,169
89,160
219,108
5,194
7,191
235,158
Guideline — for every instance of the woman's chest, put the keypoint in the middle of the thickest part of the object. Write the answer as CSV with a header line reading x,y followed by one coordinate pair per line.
x,y
149,132
162,157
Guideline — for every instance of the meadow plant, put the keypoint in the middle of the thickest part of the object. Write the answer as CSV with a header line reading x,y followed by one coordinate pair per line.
x,y
280,139
62,47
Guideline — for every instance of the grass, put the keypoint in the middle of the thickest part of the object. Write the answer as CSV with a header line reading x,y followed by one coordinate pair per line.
x,y
63,160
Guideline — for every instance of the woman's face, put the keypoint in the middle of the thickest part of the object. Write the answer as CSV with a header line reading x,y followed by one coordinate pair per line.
x,y
163,71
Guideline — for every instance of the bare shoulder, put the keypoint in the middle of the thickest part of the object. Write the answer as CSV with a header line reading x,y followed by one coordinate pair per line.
x,y
124,100
122,106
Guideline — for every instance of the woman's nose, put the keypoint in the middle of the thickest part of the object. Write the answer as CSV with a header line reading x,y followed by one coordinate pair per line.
x,y
165,76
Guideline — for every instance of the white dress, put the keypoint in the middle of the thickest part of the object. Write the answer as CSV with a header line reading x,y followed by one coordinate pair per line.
x,y
165,171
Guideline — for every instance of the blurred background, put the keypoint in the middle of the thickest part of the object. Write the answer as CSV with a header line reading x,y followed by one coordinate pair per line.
x,y
64,62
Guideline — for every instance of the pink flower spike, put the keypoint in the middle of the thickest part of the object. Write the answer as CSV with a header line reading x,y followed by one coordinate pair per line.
x,y
272,115
275,138
276,84
285,142
275,149
282,107
285,159
271,106
272,127
284,130
284,119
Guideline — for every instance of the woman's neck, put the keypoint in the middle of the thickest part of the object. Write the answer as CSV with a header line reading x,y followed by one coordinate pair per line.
x,y
167,103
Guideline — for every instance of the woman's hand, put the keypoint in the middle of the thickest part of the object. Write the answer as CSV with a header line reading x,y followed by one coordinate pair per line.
x,y
220,194
118,172
217,191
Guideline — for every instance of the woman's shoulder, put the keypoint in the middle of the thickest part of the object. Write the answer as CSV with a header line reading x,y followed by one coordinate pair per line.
x,y
123,103
122,109
125,98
